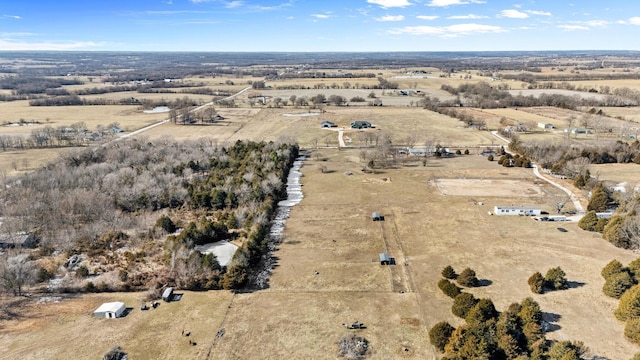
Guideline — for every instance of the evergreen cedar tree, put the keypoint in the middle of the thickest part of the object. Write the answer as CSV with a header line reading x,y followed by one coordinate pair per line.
x,y
536,283
448,288
449,273
468,278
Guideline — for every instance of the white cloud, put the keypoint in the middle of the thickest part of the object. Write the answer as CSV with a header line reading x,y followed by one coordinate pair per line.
x,y
427,17
390,18
320,16
443,3
597,23
234,4
573,27
634,20
537,12
390,3
448,31
16,17
470,16
513,14
70,45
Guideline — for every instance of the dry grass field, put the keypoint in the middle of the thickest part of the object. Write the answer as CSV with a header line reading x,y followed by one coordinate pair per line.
x,y
67,328
327,271
129,117
327,274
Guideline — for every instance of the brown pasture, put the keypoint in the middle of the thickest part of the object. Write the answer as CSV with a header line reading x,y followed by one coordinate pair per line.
x,y
327,274
327,271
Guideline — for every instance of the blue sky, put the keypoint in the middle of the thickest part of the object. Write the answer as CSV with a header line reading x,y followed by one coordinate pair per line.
x,y
299,25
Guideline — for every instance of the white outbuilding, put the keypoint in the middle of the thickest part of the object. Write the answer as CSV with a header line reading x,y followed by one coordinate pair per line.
x,y
517,210
110,310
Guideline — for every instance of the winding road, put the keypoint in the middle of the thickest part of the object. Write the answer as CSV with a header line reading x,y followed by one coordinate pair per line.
x,y
576,202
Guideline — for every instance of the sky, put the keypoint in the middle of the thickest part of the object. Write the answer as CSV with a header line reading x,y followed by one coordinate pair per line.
x,y
307,26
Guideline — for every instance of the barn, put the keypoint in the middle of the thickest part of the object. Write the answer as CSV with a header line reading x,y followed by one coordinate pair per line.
x,y
110,310
517,210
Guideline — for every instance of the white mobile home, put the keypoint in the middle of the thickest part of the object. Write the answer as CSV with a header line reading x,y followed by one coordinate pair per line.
x,y
517,210
110,310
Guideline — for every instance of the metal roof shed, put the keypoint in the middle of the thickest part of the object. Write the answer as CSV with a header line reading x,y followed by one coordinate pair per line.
x,y
385,259
167,295
110,310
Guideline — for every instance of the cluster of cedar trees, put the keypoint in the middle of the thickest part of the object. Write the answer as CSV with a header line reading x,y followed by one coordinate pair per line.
x,y
622,283
554,279
516,333
622,229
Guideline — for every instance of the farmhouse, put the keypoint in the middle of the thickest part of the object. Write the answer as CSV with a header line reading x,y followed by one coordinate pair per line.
x,y
360,124
577,131
517,210
327,124
544,125
110,310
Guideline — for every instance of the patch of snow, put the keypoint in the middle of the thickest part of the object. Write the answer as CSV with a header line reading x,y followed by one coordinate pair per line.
x,y
157,109
223,250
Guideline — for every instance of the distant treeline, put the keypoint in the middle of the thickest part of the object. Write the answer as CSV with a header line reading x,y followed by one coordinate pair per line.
x,y
34,85
483,95
75,100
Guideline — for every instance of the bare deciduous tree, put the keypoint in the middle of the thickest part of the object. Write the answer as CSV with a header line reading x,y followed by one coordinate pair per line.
x,y
16,272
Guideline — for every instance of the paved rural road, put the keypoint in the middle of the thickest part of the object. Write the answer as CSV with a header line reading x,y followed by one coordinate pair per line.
x,y
141,130
576,202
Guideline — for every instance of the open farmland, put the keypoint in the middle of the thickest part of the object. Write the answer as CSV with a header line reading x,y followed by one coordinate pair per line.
x,y
328,273
437,211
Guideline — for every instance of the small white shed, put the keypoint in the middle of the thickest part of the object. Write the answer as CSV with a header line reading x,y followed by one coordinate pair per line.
x,y
110,310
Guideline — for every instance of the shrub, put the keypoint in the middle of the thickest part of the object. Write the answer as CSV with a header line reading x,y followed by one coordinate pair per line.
x,y
613,233
490,157
617,284
466,151
166,224
82,271
468,278
481,312
556,279
636,356
632,331
629,306
352,347
567,350
589,221
536,283
614,267
449,273
599,199
634,267
439,334
601,224
462,304
448,288
116,353
529,311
